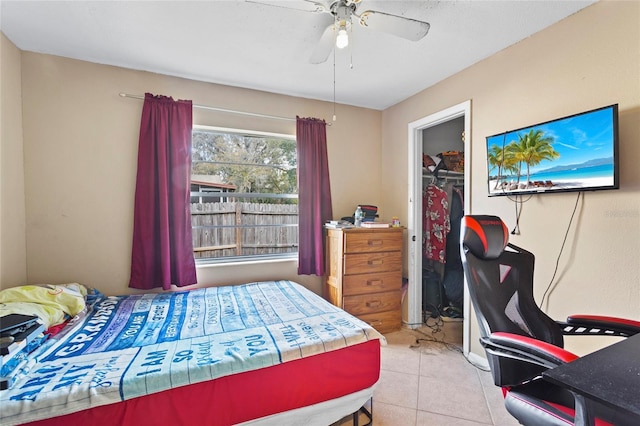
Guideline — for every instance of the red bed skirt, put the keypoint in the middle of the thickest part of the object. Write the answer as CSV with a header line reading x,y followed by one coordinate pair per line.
x,y
245,396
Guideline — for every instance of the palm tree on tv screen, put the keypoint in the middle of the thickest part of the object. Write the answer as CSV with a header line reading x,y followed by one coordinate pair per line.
x,y
496,159
530,149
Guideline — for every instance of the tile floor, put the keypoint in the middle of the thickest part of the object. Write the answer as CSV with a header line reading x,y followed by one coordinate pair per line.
x,y
425,380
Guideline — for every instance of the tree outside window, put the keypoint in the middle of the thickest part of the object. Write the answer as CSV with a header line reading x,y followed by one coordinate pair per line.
x,y
244,201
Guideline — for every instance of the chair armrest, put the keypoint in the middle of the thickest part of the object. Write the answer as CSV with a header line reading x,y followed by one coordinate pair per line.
x,y
594,325
515,359
532,349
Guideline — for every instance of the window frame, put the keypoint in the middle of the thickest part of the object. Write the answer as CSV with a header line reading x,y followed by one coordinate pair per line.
x,y
247,258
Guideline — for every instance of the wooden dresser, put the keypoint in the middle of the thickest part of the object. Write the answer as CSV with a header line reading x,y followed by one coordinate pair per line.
x,y
364,274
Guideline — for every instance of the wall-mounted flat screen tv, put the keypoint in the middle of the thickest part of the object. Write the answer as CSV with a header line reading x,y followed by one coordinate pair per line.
x,y
574,153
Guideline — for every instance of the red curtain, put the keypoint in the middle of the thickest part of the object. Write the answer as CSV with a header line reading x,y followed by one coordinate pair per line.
x,y
314,199
162,252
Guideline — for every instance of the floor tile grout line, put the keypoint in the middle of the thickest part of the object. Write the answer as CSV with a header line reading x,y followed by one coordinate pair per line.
x,y
456,417
486,398
416,394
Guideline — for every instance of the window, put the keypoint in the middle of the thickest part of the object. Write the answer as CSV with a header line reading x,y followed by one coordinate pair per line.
x,y
244,195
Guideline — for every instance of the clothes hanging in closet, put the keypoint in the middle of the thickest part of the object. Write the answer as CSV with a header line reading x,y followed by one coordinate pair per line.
x,y
456,212
453,279
435,223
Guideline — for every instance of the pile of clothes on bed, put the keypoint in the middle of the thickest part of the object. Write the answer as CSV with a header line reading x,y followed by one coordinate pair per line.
x,y
29,315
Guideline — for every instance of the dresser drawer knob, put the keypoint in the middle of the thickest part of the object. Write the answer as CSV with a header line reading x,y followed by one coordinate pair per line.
x,y
375,282
374,304
375,262
375,242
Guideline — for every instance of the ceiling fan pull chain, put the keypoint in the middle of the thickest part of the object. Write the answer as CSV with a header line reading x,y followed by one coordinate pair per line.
x,y
334,84
351,48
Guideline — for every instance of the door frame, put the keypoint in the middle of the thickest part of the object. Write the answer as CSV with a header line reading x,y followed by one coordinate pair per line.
x,y
414,292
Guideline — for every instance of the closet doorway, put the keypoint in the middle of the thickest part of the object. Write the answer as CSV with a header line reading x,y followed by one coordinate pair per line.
x,y
419,132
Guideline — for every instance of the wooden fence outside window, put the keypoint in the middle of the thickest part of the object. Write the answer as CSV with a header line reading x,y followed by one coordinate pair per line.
x,y
227,229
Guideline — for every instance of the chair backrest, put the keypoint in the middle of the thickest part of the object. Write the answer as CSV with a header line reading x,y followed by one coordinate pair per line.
x,y
500,280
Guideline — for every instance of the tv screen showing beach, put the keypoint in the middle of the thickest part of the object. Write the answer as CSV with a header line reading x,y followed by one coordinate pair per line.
x,y
575,153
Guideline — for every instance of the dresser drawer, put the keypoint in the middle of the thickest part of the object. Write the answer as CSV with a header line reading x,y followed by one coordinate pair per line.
x,y
371,303
368,242
383,322
368,263
366,283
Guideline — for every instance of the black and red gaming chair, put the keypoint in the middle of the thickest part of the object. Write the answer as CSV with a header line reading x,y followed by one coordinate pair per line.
x,y
519,339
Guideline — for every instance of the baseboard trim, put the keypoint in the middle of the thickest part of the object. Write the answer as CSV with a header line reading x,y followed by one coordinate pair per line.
x,y
478,361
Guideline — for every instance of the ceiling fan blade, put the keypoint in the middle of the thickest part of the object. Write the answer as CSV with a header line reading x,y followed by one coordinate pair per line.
x,y
303,5
400,26
324,47
319,6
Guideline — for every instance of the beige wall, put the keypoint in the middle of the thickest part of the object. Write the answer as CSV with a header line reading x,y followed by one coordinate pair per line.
x,y
588,60
13,266
80,150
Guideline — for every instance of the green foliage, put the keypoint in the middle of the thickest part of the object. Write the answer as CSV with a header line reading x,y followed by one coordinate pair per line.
x,y
253,164
529,150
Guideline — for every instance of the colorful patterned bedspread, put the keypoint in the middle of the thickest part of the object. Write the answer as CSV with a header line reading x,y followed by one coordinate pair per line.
x,y
129,346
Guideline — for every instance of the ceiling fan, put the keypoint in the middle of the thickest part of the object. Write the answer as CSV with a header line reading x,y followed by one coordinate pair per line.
x,y
344,12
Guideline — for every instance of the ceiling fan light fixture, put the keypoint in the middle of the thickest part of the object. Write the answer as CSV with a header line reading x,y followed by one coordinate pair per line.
x,y
342,39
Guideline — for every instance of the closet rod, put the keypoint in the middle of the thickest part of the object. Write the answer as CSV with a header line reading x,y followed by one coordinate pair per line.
x,y
252,114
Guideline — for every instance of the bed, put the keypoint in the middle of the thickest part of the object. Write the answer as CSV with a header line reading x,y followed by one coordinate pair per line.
x,y
260,353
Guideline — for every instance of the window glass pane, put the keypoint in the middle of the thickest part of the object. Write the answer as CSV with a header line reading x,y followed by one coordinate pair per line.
x,y
244,201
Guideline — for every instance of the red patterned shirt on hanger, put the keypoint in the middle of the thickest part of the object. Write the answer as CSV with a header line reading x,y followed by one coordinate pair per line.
x,y
435,223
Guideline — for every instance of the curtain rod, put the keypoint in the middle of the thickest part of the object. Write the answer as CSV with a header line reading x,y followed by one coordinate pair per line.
x,y
231,111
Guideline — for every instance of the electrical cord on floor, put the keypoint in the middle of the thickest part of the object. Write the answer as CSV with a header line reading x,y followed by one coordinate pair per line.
x,y
425,323
432,339
449,346
437,327
436,322
555,271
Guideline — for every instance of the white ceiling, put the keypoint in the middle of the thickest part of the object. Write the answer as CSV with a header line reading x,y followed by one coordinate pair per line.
x,y
251,45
